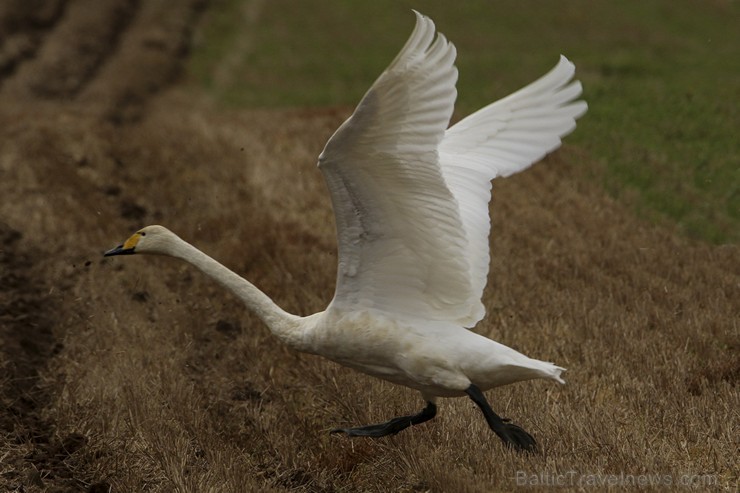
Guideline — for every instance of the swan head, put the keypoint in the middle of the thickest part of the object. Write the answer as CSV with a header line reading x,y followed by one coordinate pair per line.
x,y
151,239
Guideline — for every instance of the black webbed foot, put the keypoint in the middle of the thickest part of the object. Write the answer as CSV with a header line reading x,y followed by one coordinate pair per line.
x,y
392,426
512,435
515,437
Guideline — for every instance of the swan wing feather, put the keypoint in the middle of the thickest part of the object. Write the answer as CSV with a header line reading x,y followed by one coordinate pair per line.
x,y
402,248
501,139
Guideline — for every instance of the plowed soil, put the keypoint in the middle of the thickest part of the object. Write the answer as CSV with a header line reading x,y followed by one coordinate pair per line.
x,y
136,374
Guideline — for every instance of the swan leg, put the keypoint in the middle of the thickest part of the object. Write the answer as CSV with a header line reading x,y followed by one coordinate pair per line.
x,y
393,426
511,434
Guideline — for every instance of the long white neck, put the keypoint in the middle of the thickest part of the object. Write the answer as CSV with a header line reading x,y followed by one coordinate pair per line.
x,y
284,325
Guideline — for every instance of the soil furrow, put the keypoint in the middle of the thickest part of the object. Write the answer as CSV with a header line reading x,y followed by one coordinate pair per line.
x,y
27,342
22,28
149,58
70,54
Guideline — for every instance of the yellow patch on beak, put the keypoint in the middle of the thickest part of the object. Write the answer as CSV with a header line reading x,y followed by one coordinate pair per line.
x,y
130,244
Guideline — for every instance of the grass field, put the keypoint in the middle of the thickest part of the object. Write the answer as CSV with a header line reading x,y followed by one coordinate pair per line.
x,y
616,257
662,80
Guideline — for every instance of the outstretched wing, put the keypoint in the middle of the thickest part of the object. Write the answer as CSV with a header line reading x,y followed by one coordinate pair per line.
x,y
402,247
411,200
501,139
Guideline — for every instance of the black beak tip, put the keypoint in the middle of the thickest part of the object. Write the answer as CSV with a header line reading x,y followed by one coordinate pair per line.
x,y
119,250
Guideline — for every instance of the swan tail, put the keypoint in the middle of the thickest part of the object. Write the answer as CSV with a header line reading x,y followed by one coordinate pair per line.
x,y
552,371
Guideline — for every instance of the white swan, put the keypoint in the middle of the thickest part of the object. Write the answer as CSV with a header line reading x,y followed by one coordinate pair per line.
x,y
411,206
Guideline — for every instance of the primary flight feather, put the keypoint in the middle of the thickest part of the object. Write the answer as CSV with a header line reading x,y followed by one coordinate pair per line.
x,y
410,198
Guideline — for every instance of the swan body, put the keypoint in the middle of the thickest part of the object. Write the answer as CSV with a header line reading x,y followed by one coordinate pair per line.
x,y
410,198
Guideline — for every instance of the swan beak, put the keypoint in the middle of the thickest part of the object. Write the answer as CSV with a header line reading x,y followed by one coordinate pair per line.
x,y
127,248
119,250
